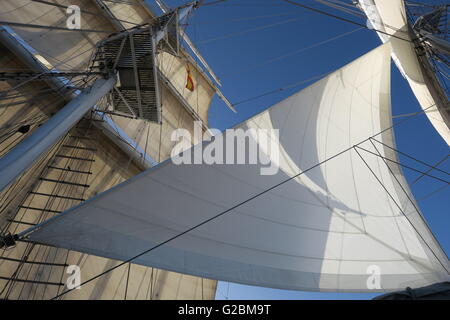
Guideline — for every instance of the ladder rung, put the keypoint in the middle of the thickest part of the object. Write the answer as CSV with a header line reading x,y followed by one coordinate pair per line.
x,y
35,262
39,209
65,182
57,196
74,158
81,137
70,170
34,281
36,243
21,222
77,147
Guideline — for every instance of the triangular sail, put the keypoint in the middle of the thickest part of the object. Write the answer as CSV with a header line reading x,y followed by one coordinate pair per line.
x,y
389,18
330,217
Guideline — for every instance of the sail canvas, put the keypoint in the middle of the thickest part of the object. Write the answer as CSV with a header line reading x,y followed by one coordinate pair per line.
x,y
389,19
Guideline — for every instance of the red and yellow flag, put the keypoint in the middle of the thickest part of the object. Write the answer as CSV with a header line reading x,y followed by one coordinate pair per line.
x,y
189,82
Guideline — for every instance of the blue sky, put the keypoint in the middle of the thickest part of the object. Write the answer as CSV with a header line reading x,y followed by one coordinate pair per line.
x,y
239,37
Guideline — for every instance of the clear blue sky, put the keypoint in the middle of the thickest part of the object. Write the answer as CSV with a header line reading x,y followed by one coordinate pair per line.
x,y
235,37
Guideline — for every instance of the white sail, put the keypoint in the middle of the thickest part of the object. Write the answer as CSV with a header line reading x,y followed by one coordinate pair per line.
x,y
308,227
389,18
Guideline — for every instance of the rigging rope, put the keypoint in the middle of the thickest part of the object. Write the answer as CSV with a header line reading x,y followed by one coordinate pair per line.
x,y
211,3
2,93
342,7
429,195
246,18
413,158
343,19
432,168
295,84
235,34
297,51
55,203
124,2
29,246
405,166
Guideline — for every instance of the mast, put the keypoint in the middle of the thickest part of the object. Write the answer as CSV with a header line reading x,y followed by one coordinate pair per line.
x,y
18,160
433,28
55,82
26,153
197,53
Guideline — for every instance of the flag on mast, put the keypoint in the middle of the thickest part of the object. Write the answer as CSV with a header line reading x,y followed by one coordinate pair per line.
x,y
189,81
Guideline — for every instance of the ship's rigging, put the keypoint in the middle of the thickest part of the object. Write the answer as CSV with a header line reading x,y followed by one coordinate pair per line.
x,y
130,55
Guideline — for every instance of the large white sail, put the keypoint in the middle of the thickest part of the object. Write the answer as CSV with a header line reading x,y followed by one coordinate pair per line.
x,y
324,222
389,18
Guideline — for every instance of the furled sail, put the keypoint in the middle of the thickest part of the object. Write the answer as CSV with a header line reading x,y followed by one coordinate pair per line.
x,y
335,211
389,18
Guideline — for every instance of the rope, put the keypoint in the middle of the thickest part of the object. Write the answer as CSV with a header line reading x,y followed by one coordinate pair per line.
x,y
280,89
405,166
245,19
432,168
235,34
286,55
413,158
2,93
